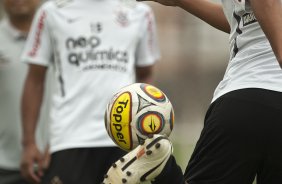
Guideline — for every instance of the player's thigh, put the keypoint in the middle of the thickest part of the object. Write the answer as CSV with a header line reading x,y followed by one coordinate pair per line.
x,y
230,146
270,170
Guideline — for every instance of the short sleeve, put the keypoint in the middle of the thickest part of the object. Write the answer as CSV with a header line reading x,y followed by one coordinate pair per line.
x,y
148,51
38,45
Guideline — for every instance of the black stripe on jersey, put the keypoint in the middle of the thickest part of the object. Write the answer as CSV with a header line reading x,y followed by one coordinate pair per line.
x,y
61,81
238,19
235,48
60,75
239,31
58,67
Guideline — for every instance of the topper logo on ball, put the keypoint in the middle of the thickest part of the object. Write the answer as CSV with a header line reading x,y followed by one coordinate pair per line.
x,y
120,120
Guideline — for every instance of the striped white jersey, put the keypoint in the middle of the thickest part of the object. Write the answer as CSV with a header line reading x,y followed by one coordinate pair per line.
x,y
252,62
96,45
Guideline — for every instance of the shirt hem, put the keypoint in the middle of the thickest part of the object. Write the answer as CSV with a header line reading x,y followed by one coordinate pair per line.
x,y
245,86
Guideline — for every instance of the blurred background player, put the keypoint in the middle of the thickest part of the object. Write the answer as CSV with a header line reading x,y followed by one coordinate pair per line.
x,y
14,28
98,47
241,137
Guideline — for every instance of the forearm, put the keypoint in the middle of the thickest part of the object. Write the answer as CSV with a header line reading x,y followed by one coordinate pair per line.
x,y
30,108
210,12
269,15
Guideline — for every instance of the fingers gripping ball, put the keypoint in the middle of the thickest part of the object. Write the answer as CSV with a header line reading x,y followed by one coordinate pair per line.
x,y
137,111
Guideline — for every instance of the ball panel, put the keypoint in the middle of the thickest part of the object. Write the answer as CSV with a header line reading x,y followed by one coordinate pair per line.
x,y
153,92
120,118
142,103
150,123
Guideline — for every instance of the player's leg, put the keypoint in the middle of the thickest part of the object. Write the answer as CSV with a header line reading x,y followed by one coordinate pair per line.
x,y
229,150
81,165
270,170
171,173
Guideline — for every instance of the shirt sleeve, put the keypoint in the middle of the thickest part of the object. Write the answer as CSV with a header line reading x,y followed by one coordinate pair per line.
x,y
38,45
148,51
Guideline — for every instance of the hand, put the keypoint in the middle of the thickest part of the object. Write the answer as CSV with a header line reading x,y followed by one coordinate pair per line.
x,y
165,2
32,164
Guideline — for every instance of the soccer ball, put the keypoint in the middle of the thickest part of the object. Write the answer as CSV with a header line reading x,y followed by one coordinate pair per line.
x,y
137,111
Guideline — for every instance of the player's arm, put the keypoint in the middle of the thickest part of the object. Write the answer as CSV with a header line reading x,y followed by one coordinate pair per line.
x,y
147,51
144,74
269,15
37,53
30,110
210,12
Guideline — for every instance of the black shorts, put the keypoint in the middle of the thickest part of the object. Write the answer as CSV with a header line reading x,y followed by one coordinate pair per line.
x,y
11,177
241,138
81,165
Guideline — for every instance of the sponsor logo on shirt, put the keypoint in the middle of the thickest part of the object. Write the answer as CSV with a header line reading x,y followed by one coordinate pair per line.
x,y
149,18
96,27
73,20
122,18
84,52
248,18
40,27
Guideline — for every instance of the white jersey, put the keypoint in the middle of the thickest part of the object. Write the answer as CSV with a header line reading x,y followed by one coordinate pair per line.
x,y
252,62
96,45
12,76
